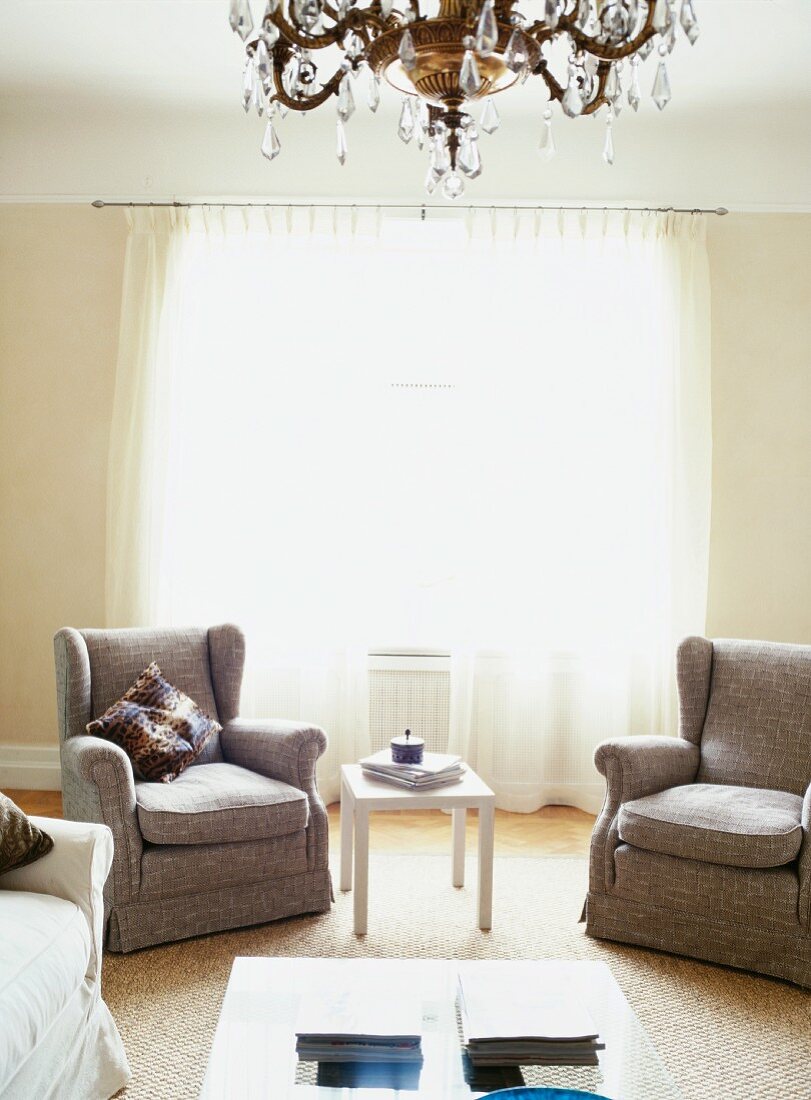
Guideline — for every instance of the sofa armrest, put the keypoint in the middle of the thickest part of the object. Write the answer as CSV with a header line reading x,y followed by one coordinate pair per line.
x,y
804,866
634,767
98,785
75,869
287,751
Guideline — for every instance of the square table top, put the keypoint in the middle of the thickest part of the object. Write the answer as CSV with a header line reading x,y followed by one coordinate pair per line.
x,y
253,1056
470,791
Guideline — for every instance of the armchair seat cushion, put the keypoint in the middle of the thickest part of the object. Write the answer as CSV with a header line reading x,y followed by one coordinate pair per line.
x,y
731,826
218,804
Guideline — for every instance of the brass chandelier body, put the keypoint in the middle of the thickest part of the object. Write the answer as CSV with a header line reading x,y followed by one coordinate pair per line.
x,y
444,63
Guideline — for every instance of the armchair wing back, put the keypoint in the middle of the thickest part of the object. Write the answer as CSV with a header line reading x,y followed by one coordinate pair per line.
x,y
703,844
757,729
240,837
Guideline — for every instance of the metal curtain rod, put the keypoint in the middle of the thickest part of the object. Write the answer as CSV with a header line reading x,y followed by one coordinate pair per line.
x,y
99,204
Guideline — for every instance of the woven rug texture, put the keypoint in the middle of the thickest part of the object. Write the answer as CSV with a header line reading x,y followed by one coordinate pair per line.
x,y
722,1034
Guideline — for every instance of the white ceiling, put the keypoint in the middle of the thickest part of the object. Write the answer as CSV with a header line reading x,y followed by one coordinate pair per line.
x,y
140,99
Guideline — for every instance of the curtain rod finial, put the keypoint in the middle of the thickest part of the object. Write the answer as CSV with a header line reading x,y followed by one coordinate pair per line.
x,y
98,203
721,210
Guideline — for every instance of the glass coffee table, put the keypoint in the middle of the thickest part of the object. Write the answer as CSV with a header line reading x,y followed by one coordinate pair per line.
x,y
253,1056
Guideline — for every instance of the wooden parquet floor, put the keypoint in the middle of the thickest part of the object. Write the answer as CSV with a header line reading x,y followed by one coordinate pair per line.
x,y
554,830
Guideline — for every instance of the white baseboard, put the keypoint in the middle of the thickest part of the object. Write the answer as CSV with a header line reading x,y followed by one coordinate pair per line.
x,y
30,767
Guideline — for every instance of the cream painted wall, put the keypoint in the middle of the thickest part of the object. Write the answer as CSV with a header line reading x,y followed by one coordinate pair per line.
x,y
60,288
760,557
60,294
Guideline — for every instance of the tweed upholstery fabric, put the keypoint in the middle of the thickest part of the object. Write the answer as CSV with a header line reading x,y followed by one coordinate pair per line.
x,y
755,733
21,841
697,889
158,726
118,657
218,804
287,751
758,727
633,767
153,893
145,923
168,871
733,826
693,672
226,647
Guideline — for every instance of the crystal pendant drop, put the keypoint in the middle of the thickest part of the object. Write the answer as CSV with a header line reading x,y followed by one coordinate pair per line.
x,y
270,143
516,56
386,8
258,101
572,102
547,143
419,132
405,128
612,85
233,15
408,55
430,180
645,50
634,91
373,94
608,148
583,13
271,8
468,159
661,87
689,23
440,158
490,120
241,19
486,30
453,186
551,13
340,144
270,35
469,79
248,84
261,59
346,101
661,16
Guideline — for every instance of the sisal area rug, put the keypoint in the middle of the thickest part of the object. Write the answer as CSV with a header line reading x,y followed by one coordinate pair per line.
x,y
722,1034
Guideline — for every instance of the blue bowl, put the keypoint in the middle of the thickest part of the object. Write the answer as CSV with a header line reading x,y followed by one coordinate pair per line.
x,y
526,1092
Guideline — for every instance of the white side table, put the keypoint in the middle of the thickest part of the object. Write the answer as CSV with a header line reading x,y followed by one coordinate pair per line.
x,y
360,795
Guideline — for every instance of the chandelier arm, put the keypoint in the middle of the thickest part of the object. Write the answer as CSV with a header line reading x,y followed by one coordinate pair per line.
x,y
601,49
356,20
311,102
555,89
599,100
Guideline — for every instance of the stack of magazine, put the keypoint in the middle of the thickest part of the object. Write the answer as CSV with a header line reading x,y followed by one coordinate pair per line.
x,y
505,1025
352,1026
436,770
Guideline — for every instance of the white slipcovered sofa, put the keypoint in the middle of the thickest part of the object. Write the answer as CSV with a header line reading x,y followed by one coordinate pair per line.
x,y
57,1037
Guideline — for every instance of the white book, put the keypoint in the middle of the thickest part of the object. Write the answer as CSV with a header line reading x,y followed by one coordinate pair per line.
x,y
362,1015
433,763
429,783
497,1009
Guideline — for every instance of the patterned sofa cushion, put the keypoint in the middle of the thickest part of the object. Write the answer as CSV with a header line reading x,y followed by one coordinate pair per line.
x,y
731,826
217,804
21,842
159,727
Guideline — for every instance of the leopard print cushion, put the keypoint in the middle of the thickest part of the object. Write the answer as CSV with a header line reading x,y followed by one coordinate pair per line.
x,y
21,841
160,729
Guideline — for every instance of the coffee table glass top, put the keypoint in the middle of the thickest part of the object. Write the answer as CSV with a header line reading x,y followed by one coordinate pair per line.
x,y
253,1056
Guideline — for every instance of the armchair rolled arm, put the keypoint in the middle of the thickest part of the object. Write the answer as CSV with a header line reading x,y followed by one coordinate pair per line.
x,y
634,767
287,751
804,867
75,869
281,750
98,785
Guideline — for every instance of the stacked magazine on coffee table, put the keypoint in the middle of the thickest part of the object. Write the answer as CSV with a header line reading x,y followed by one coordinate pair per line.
x,y
503,1025
436,770
357,1026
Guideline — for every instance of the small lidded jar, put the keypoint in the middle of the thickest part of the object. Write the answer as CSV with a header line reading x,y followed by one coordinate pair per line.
x,y
407,749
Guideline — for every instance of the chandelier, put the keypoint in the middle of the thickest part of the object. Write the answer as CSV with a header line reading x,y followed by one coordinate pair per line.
x,y
588,53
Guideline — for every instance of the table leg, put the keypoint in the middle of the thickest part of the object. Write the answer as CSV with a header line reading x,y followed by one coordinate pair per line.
x,y
459,817
361,869
347,814
486,831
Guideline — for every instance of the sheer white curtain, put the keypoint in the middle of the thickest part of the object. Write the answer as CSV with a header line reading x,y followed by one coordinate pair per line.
x,y
486,435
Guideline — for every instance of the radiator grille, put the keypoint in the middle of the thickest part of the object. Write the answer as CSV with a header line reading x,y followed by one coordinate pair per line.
x,y
401,699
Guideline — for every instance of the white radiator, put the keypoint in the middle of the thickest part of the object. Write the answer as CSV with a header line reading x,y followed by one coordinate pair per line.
x,y
409,692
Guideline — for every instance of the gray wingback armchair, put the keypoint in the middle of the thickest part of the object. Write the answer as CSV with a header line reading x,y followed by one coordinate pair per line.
x,y
238,838
703,845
